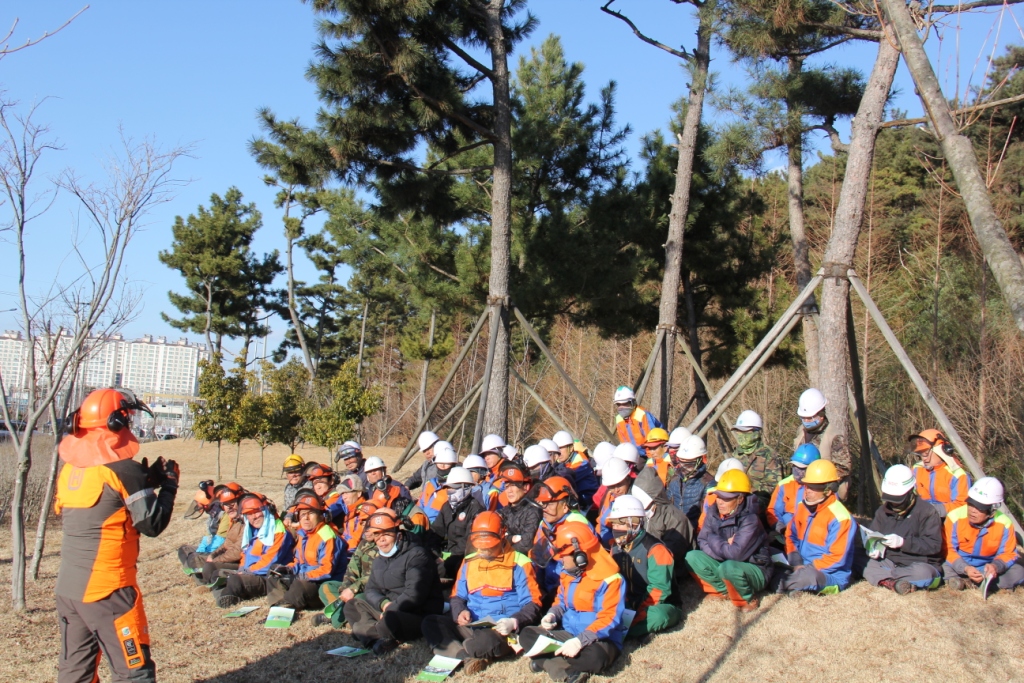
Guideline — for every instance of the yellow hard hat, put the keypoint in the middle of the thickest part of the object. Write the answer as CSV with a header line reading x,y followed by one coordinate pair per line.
x,y
821,472
293,463
734,481
657,434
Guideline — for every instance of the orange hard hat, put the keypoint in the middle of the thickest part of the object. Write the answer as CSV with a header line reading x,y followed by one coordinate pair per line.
x,y
488,530
365,509
384,520
308,500
110,408
514,474
228,493
251,502
926,439
575,537
555,488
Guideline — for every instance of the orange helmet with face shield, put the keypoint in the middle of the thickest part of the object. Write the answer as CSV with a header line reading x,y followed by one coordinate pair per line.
x,y
488,530
252,502
555,488
228,493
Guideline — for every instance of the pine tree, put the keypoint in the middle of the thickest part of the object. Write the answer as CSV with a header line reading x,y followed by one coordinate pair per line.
x,y
337,406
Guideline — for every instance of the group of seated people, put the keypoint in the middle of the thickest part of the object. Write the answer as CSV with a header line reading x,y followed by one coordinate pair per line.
x,y
589,549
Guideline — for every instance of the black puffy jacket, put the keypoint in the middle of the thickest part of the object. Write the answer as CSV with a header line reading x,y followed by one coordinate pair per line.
x,y
452,525
522,520
921,529
408,579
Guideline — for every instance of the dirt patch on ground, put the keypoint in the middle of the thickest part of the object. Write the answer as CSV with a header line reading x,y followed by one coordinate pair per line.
x,y
864,634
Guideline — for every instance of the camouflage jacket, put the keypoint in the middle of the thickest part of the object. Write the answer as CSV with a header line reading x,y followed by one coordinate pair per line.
x,y
763,467
358,571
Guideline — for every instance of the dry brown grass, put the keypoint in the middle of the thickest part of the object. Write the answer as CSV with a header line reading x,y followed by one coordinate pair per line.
x,y
864,634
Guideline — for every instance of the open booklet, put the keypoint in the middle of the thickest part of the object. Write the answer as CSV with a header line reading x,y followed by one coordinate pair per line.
x,y
438,668
986,586
871,540
544,646
280,617
241,611
486,622
348,651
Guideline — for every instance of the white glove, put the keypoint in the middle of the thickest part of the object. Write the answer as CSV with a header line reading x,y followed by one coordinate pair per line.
x,y
892,541
877,553
506,626
549,622
570,648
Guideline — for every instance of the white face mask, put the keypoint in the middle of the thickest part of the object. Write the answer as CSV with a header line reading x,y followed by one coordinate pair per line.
x,y
456,496
624,411
394,549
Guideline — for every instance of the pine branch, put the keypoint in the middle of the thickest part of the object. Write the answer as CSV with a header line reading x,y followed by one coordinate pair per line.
x,y
453,46
965,110
837,143
682,53
966,7
861,33
456,153
435,171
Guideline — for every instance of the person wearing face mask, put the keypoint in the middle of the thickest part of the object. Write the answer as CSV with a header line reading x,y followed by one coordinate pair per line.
x,y
588,607
691,480
910,556
648,567
980,541
816,429
485,488
763,467
265,543
434,494
450,529
633,423
521,516
940,480
819,540
559,505
402,589
537,459
732,560
790,491
494,582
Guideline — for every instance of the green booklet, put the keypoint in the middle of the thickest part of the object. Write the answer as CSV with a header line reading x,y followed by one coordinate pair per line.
x,y
219,582
189,571
986,586
871,540
346,651
543,646
280,617
438,669
241,611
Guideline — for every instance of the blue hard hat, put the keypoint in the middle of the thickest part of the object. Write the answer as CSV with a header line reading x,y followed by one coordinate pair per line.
x,y
805,455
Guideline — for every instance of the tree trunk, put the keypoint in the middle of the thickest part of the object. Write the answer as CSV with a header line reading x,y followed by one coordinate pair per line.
x,y
238,452
262,448
496,417
18,523
958,151
979,449
362,340
843,244
797,233
44,507
290,237
426,365
218,459
668,309
209,319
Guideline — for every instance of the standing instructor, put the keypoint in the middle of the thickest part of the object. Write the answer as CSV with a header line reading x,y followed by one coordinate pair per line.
x,y
106,500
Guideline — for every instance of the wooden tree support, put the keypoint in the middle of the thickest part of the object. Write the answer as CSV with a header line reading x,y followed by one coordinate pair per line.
x,y
536,397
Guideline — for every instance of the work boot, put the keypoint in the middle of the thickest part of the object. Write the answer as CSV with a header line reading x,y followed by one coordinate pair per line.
x,y
904,587
887,583
577,677
382,646
557,668
228,601
474,665
319,619
957,584
536,665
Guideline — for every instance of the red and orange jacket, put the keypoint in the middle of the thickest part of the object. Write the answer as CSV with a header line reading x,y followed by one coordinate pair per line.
x,y
824,540
319,555
786,496
105,508
635,429
257,558
942,485
968,545
432,498
590,605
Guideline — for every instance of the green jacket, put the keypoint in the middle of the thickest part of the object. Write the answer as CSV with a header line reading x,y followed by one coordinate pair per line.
x,y
763,467
358,571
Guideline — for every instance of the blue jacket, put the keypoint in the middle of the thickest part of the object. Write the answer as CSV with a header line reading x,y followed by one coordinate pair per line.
x,y
591,605
688,494
499,588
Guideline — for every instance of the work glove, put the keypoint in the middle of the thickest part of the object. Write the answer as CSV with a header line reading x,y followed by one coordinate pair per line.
x,y
892,541
154,472
570,648
506,626
877,553
170,473
549,622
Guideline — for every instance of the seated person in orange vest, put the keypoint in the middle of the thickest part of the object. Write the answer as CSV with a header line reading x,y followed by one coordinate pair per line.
x,y
434,494
648,567
910,556
733,560
819,542
352,494
265,542
378,479
319,556
403,588
492,450
980,541
322,479
521,516
558,504
632,423
790,491
496,583
940,479
412,519
588,607
204,502
573,455
449,531
229,554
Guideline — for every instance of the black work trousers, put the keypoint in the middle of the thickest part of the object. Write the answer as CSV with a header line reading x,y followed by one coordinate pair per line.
x,y
368,625
592,659
298,594
448,638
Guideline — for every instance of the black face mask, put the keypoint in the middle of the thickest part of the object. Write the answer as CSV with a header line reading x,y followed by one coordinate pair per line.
x,y
901,505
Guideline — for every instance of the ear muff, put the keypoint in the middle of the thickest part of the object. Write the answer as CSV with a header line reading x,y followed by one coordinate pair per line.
x,y
118,420
947,448
578,556
381,484
72,424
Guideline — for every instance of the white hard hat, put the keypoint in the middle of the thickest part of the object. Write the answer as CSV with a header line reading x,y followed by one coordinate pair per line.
x,y
444,453
987,491
641,495
692,448
898,480
615,471
728,464
509,451
472,461
628,452
811,403
427,439
624,395
536,455
549,445
373,463
627,506
492,442
748,420
459,475
562,438
602,452
351,444
677,437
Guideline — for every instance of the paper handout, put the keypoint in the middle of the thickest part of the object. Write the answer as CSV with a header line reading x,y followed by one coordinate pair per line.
x,y
280,617
543,646
438,669
871,540
347,651
241,611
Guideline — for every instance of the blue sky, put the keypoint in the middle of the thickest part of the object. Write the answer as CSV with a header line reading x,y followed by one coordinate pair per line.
x,y
192,72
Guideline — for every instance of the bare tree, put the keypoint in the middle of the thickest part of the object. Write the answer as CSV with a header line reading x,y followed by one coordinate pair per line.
x,y
99,299
5,42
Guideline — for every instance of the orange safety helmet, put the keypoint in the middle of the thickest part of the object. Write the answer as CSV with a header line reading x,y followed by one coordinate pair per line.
x,y
97,433
575,538
927,439
488,530
252,502
228,493
110,408
555,488
308,501
319,471
384,520
365,510
515,474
